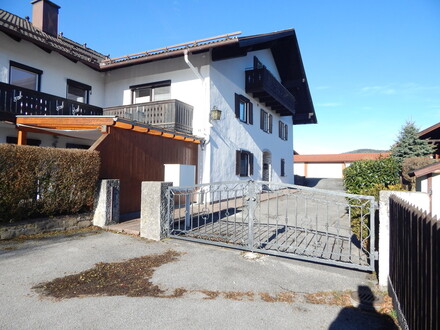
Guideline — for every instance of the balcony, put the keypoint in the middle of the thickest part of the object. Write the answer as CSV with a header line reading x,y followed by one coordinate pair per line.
x,y
172,115
16,100
268,90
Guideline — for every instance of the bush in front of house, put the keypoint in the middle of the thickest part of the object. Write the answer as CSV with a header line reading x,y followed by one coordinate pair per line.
x,y
369,177
41,182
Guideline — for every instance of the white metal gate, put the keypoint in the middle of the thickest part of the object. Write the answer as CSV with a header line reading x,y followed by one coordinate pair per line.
x,y
279,219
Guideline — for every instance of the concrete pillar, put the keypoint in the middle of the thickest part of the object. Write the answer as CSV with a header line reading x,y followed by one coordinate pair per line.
x,y
107,203
154,208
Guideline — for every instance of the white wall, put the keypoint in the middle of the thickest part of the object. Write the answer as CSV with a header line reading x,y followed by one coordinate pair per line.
x,y
422,185
230,134
56,68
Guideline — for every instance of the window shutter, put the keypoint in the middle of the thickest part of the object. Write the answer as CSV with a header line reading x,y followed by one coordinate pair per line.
x,y
237,105
279,129
251,164
237,162
262,119
251,113
286,132
270,124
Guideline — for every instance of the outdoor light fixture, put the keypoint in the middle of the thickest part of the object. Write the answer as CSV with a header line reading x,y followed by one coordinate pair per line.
x,y
216,114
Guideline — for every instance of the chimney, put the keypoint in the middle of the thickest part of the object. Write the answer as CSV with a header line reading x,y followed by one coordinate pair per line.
x,y
45,16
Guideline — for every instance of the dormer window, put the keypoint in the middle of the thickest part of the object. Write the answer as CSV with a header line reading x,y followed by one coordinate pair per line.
x,y
157,91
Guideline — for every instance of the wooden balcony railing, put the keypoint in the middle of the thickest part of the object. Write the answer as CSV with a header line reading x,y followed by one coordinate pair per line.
x,y
268,90
173,115
22,101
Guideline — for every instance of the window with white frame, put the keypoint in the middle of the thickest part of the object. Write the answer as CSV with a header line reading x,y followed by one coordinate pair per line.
x,y
283,131
24,76
157,91
244,109
244,165
266,121
77,91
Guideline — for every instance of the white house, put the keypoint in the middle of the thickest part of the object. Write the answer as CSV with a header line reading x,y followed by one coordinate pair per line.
x,y
258,83
428,181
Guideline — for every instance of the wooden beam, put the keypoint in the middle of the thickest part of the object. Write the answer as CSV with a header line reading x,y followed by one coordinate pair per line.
x,y
60,121
22,137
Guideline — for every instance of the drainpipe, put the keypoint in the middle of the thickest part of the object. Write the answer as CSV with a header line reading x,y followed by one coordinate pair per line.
x,y
191,66
206,135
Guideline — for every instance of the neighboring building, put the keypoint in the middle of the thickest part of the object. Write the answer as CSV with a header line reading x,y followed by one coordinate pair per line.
x,y
257,82
432,134
329,165
428,181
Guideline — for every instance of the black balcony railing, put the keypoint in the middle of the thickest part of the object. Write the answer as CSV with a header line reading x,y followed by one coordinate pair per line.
x,y
173,115
22,101
268,90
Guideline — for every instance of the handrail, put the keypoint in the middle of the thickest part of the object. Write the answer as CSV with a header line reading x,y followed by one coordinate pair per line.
x,y
22,101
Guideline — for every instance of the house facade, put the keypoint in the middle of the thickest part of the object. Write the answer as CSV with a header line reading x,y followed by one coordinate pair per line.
x,y
257,83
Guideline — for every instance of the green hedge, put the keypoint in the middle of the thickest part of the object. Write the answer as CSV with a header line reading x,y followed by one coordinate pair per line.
x,y
37,182
369,177
362,176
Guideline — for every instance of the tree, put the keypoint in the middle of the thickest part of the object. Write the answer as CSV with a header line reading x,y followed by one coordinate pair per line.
x,y
409,144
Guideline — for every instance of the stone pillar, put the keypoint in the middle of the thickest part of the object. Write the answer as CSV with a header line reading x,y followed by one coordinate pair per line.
x,y
154,210
107,203
384,237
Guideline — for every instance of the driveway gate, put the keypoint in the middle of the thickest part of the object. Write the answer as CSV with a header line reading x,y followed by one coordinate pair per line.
x,y
280,219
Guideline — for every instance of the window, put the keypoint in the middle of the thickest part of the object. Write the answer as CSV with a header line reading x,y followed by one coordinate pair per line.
x,y
157,91
244,163
29,142
243,109
283,131
77,91
283,165
24,76
265,121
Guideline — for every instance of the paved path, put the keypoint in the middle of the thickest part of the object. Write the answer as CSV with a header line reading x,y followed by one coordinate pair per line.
x,y
201,267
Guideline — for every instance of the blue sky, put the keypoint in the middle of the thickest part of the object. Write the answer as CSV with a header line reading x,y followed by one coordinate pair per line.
x,y
371,65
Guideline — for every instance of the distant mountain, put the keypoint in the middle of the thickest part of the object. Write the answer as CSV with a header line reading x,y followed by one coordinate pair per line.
x,y
359,151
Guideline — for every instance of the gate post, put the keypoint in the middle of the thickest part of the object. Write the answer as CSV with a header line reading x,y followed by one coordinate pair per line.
x,y
154,210
252,198
106,210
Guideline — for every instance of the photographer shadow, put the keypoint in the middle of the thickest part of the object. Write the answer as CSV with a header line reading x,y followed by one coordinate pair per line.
x,y
364,316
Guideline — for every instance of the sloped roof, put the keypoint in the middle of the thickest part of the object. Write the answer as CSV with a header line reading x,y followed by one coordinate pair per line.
x,y
338,158
283,45
428,169
431,132
19,28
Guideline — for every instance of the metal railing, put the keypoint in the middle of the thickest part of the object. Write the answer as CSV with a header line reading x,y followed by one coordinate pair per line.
x,y
173,114
279,219
414,266
22,101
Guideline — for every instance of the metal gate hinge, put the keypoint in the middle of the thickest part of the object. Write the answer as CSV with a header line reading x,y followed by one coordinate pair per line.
x,y
376,255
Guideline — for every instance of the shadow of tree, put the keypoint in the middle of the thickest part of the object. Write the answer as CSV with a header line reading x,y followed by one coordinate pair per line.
x,y
364,316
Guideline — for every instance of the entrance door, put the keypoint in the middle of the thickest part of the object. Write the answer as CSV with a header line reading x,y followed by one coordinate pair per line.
x,y
267,166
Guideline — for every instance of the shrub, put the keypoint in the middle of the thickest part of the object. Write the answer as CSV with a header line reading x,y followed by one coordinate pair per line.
x,y
368,177
37,181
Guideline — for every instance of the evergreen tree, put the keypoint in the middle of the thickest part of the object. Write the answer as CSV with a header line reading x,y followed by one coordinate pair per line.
x,y
409,144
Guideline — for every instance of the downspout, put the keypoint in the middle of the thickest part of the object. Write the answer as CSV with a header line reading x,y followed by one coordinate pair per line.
x,y
191,66
206,136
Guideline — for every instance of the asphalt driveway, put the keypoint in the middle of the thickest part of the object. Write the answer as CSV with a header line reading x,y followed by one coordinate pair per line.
x,y
200,269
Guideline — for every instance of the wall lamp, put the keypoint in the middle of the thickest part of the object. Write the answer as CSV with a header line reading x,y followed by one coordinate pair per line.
x,y
215,114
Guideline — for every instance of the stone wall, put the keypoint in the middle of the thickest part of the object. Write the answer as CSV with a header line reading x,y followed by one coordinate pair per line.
x,y
44,225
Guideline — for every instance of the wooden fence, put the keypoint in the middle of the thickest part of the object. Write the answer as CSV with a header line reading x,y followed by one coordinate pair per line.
x,y
414,266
